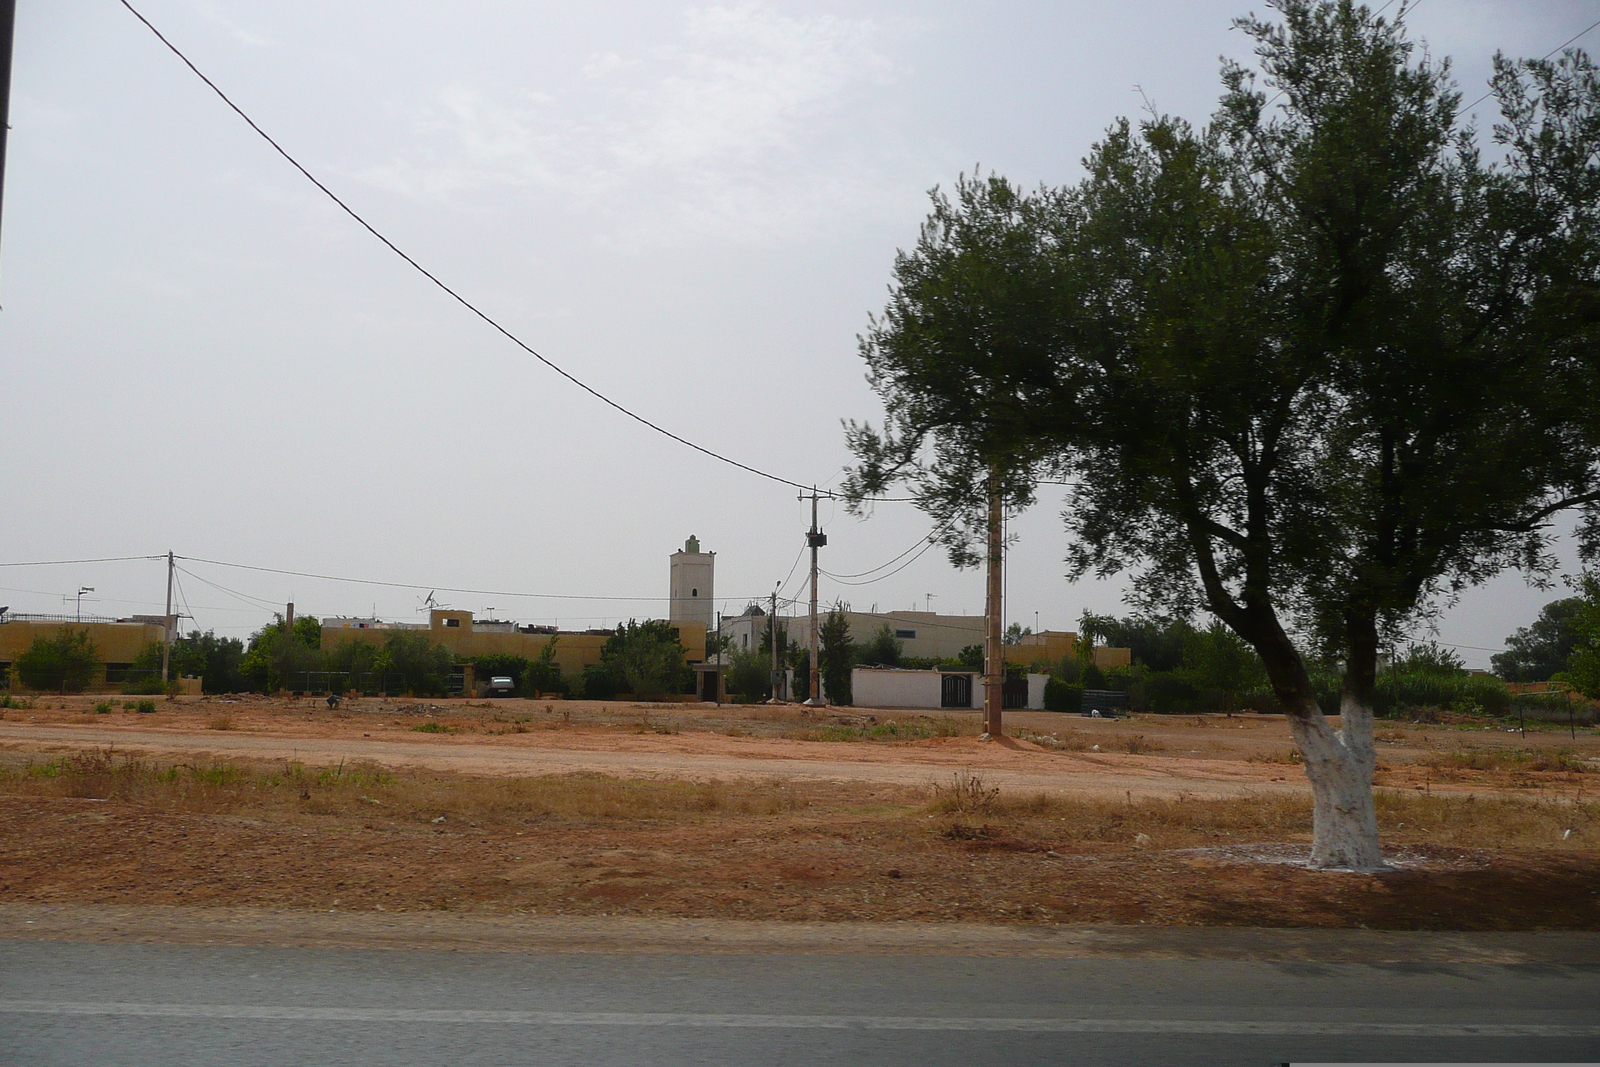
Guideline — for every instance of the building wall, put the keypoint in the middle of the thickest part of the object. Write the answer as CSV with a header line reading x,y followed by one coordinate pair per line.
x,y
454,630
689,582
931,635
880,687
117,642
936,636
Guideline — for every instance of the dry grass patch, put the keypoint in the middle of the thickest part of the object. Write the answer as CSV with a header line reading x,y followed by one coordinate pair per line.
x,y
869,728
1507,759
356,789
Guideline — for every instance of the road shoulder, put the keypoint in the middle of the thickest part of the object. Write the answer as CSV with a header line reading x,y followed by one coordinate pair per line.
x,y
530,933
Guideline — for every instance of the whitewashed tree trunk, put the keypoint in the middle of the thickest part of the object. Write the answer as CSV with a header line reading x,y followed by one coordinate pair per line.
x,y
1339,764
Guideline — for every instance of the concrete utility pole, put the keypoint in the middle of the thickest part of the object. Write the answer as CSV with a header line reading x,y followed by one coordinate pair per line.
x,y
8,21
772,636
166,629
816,539
994,664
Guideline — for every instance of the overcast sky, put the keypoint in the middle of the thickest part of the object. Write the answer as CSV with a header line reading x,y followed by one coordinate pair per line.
x,y
692,207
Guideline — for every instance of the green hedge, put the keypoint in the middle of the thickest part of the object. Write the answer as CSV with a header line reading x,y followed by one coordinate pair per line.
x,y
1062,697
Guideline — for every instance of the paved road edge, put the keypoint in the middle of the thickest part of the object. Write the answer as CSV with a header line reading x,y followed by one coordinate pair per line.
x,y
530,933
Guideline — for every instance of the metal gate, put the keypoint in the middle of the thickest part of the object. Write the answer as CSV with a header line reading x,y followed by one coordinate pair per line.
x,y
955,691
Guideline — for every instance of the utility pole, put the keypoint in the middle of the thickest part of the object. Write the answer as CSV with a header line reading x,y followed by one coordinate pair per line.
x,y
166,629
772,638
994,665
816,539
8,22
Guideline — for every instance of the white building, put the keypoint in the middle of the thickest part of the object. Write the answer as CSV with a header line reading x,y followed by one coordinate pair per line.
x,y
690,584
920,633
890,687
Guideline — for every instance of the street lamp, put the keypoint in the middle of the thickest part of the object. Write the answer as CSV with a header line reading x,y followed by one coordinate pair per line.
x,y
82,589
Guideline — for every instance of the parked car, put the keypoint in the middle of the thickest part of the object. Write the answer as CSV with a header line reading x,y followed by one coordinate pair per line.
x,y
501,686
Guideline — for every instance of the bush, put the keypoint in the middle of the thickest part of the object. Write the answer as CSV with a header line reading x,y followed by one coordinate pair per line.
x,y
750,674
1398,692
410,663
1062,696
66,662
648,658
145,707
144,685
1170,693
214,660
544,673
599,682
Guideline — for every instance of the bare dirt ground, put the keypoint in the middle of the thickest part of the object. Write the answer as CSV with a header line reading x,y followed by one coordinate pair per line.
x,y
690,812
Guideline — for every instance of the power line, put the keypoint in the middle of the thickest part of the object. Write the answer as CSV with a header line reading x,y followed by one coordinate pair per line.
x,y
792,567
243,598
922,543
463,301
418,585
1542,58
929,544
68,562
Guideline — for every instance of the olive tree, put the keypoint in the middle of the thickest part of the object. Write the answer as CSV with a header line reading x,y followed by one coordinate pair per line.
x,y
1313,368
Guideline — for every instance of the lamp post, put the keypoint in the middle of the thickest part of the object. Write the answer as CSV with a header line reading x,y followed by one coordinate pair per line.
x,y
82,589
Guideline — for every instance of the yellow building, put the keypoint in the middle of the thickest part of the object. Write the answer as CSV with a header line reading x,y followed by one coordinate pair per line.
x,y
466,638
117,644
1048,647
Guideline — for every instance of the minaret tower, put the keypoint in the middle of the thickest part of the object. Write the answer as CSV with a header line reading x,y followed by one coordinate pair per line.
x,y
691,584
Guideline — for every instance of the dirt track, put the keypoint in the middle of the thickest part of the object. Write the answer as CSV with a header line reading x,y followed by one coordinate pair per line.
x,y
1013,765
798,818
1170,755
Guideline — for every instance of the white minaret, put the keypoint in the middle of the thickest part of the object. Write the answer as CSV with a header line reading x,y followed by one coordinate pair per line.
x,y
691,584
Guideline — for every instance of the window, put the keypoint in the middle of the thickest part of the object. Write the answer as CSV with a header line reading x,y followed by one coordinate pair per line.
x,y
905,633
746,639
117,673
694,592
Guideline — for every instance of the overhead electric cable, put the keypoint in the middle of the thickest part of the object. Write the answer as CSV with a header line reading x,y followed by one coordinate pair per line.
x,y
889,574
922,544
1542,58
185,598
463,301
432,586
244,598
792,567
68,562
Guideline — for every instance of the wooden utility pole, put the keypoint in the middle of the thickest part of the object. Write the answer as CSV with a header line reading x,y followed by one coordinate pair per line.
x,y
166,629
994,664
816,539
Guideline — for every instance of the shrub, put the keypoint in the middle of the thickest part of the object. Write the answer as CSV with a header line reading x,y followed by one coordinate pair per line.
x,y
750,673
544,673
1170,693
647,658
1062,696
64,662
145,707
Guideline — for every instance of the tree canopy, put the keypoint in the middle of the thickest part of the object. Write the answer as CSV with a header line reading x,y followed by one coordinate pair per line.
x,y
1537,652
66,661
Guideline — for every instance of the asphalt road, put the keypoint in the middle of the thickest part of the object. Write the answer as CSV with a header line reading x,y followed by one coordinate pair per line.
x,y
114,1004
